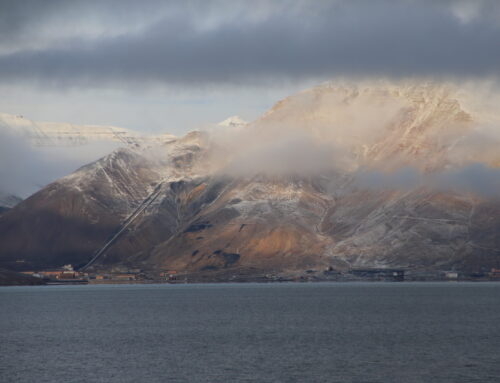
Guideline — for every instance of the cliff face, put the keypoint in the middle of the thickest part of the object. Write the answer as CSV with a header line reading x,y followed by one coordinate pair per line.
x,y
285,193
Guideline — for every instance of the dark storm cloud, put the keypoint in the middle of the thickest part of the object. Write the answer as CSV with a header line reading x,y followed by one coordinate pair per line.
x,y
279,40
27,16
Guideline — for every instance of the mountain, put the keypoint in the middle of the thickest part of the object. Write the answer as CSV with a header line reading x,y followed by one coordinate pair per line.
x,y
68,219
338,177
57,134
233,122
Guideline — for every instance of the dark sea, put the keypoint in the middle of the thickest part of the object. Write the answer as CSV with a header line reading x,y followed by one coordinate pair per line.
x,y
310,332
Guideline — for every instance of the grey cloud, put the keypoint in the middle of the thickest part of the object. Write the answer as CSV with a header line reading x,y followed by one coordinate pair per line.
x,y
288,40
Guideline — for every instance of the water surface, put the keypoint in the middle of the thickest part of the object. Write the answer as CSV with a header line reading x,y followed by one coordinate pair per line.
x,y
321,332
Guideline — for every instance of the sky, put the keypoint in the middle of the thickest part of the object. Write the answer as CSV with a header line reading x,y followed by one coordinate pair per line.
x,y
171,66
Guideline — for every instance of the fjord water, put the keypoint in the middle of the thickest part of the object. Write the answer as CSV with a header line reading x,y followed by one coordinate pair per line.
x,y
323,332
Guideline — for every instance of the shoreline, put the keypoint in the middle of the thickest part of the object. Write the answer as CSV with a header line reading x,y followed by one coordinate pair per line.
x,y
153,282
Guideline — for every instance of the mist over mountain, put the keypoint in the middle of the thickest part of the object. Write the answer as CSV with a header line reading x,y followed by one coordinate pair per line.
x,y
343,175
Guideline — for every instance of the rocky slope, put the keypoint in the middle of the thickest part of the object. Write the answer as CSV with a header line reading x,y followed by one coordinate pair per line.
x,y
280,195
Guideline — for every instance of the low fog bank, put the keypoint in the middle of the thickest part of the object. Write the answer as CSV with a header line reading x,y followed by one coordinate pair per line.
x,y
375,132
244,154
247,154
476,178
25,168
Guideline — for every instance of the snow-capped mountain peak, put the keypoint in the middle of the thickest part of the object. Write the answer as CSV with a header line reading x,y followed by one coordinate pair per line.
x,y
233,122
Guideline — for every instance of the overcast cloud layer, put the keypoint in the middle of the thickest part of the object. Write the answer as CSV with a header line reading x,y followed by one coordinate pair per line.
x,y
101,43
